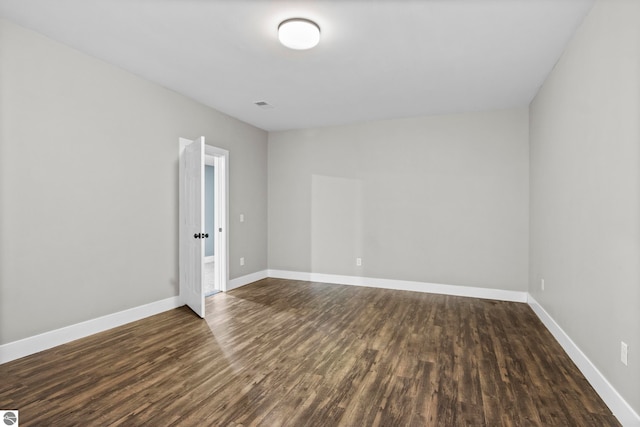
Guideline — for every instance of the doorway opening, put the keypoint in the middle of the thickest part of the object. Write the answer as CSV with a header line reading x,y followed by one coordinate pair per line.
x,y
211,279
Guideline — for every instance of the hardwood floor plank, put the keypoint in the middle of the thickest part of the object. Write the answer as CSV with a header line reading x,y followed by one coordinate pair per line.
x,y
291,353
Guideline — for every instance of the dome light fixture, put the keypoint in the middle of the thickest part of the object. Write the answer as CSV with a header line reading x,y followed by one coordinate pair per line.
x,y
299,33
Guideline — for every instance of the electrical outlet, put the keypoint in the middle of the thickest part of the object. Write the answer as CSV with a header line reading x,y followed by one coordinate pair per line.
x,y
242,261
542,284
624,350
241,217
359,262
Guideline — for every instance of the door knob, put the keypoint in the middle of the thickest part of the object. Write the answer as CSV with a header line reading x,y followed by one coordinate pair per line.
x,y
196,236
206,235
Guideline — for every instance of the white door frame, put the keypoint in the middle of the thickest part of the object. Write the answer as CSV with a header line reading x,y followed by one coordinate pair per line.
x,y
210,161
221,213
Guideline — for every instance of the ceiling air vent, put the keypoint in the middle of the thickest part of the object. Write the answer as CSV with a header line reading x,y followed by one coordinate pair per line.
x,y
264,105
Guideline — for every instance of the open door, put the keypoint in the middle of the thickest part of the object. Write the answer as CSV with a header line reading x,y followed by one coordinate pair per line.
x,y
191,229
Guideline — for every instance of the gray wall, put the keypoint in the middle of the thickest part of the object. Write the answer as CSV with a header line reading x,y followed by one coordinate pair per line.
x,y
209,213
88,186
440,199
585,192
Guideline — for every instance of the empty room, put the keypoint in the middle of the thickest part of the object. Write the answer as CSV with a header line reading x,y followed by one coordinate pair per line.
x,y
320,213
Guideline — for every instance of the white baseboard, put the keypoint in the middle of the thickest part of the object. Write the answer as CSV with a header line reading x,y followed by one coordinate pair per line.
x,y
620,408
403,285
245,280
24,347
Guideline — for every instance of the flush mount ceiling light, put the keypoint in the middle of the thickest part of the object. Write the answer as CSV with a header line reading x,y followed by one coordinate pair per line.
x,y
299,33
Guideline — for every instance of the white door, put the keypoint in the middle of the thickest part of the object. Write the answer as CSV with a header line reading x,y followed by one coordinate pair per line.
x,y
191,229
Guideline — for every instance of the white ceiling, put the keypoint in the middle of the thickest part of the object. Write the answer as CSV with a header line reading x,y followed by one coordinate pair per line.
x,y
376,59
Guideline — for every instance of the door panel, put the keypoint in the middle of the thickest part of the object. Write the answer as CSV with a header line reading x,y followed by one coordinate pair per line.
x,y
192,225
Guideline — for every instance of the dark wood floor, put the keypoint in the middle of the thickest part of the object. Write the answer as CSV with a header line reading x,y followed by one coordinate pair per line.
x,y
308,354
